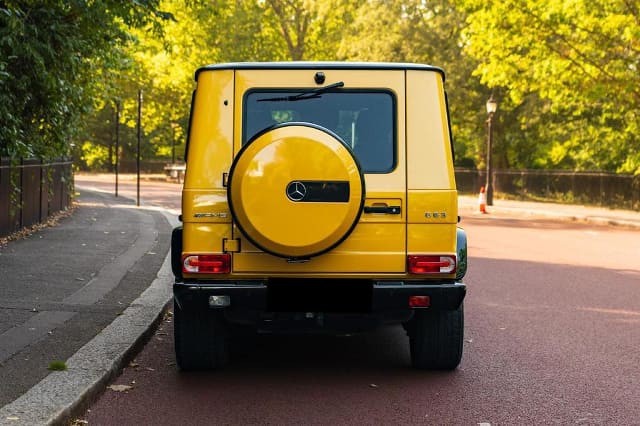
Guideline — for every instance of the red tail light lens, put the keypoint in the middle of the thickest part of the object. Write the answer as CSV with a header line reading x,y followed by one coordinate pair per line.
x,y
206,263
433,264
419,301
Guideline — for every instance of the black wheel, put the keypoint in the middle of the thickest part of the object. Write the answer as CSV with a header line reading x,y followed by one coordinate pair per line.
x,y
435,339
200,339
176,253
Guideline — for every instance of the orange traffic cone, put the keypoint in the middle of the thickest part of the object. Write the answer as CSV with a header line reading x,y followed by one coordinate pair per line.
x,y
482,201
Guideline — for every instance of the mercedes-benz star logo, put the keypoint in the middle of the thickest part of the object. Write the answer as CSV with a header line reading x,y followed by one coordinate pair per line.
x,y
296,191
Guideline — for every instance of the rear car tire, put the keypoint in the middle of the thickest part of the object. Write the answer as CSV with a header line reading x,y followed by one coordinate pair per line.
x,y
435,339
200,339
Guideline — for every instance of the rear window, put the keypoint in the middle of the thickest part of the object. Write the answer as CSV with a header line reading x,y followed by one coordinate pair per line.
x,y
365,120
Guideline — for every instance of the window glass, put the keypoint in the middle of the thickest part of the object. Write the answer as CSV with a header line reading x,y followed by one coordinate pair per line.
x,y
363,119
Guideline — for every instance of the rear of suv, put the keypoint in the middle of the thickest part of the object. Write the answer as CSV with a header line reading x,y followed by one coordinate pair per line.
x,y
319,197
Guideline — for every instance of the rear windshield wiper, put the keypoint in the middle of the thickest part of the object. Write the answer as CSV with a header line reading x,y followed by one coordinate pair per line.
x,y
309,94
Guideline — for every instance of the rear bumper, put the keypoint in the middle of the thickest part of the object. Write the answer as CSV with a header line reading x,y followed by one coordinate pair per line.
x,y
342,306
447,296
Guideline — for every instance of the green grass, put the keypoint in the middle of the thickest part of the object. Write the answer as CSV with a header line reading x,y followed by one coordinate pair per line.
x,y
57,366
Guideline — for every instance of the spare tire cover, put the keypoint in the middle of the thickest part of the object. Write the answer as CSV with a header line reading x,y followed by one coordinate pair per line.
x,y
296,190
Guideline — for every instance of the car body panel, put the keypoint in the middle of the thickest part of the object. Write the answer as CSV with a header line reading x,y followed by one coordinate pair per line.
x,y
422,184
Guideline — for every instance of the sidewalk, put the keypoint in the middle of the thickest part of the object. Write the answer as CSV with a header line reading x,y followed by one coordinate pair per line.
x,y
468,207
83,292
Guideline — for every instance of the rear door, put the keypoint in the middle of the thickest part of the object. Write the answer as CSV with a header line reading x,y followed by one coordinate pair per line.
x,y
367,114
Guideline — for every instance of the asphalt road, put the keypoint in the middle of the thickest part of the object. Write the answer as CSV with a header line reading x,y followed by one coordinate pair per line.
x,y
552,331
159,193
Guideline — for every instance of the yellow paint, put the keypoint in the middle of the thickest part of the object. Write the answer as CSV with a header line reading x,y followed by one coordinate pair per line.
x,y
205,206
210,141
426,207
428,145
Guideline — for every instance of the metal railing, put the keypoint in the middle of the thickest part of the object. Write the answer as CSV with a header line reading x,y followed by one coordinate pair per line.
x,y
594,188
32,190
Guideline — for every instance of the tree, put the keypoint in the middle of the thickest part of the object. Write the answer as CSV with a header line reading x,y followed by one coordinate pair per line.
x,y
201,33
50,56
571,68
294,20
311,30
430,33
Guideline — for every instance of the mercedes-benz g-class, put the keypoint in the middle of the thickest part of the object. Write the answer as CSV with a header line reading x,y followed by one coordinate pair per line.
x,y
319,197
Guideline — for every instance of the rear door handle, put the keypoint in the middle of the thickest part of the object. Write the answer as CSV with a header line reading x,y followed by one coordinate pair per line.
x,y
382,209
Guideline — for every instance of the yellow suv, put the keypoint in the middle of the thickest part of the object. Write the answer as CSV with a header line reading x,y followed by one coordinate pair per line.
x,y
319,196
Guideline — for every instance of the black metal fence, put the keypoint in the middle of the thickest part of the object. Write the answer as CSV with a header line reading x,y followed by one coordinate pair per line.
x,y
31,190
602,189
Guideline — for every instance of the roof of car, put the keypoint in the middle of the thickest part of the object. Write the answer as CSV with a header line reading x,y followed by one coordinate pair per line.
x,y
319,66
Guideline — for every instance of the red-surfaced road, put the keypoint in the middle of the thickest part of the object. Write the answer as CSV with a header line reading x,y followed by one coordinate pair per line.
x,y
551,336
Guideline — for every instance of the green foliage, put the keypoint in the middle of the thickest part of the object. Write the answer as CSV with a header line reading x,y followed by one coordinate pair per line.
x,y
565,73
57,366
51,53
94,155
432,33
572,66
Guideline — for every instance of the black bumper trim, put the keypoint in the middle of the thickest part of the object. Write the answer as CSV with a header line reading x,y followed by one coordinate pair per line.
x,y
386,296
396,296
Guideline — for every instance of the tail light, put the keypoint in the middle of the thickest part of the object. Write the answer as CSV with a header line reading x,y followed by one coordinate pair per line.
x,y
419,301
432,264
206,263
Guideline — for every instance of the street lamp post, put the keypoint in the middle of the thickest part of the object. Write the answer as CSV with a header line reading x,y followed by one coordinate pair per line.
x,y
492,106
